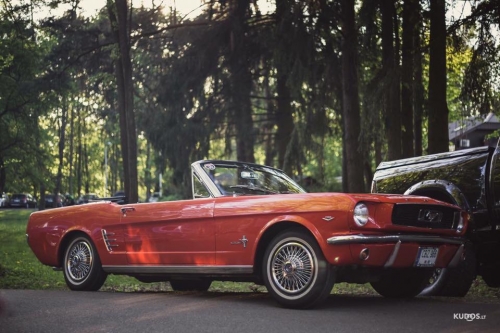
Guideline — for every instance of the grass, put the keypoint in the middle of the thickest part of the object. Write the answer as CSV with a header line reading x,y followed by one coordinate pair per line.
x,y
20,269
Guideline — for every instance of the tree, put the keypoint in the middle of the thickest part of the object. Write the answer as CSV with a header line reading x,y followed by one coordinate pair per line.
x,y
350,99
241,79
407,70
438,107
390,62
283,114
119,18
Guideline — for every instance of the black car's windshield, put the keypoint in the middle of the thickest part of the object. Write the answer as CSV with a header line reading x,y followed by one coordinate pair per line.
x,y
236,178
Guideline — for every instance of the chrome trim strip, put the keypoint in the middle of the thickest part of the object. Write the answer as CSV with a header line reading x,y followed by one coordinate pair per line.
x,y
108,241
205,179
373,239
179,269
392,258
489,228
457,257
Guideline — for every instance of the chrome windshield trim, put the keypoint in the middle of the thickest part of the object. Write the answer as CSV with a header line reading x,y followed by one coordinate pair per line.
x,y
374,239
205,179
179,269
198,170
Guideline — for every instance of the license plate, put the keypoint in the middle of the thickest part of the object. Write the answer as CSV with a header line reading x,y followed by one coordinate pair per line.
x,y
426,256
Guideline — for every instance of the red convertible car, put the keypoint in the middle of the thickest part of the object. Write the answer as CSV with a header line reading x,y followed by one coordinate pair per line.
x,y
248,222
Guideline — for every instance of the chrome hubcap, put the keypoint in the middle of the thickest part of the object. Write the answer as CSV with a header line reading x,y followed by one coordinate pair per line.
x,y
79,261
292,267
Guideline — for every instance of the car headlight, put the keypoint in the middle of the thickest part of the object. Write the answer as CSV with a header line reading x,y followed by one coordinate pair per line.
x,y
361,214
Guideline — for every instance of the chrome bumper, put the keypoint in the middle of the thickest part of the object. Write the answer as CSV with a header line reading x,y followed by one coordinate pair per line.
x,y
373,239
397,240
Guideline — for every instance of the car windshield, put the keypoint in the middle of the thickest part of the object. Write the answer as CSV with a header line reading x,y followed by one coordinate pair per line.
x,y
240,178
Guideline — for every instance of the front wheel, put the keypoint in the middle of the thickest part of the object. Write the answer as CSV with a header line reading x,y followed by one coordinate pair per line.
x,y
402,283
82,266
455,281
295,271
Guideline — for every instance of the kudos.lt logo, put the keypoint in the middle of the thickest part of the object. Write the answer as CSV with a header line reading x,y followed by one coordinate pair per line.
x,y
468,316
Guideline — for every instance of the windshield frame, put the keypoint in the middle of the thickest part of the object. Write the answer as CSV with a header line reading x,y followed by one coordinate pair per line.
x,y
199,170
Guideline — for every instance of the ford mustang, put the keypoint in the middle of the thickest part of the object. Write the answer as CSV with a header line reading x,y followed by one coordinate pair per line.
x,y
249,222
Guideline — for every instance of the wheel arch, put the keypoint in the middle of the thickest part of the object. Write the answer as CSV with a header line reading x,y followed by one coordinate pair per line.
x,y
269,234
442,190
68,237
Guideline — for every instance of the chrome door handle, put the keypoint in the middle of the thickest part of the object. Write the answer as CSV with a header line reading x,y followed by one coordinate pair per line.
x,y
127,209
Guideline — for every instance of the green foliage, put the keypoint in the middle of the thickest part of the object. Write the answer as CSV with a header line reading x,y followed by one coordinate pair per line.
x,y
25,95
189,94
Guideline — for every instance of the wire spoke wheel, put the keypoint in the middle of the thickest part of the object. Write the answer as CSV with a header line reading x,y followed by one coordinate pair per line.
x,y
82,266
79,261
295,271
292,267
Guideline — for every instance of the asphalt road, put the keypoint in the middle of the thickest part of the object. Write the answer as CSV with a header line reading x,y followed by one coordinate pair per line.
x,y
81,312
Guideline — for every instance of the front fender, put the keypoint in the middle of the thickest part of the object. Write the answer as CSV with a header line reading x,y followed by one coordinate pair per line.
x,y
440,189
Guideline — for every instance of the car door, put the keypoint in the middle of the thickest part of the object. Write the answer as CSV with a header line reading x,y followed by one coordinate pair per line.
x,y
239,220
170,233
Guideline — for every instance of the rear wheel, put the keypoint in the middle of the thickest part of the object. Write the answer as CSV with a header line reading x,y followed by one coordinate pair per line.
x,y
295,271
82,266
401,283
190,285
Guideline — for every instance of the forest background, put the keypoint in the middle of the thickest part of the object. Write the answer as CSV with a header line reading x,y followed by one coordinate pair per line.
x,y
126,98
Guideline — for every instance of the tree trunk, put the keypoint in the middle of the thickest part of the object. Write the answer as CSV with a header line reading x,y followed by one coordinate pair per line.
x,y
79,154
350,100
284,121
241,83
120,24
270,150
3,175
62,142
71,149
438,109
392,112
418,86
283,117
407,78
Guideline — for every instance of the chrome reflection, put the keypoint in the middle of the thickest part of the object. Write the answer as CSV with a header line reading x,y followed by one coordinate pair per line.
x,y
79,261
292,267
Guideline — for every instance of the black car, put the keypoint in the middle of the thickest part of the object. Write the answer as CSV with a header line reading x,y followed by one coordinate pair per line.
x,y
468,178
22,200
54,201
86,198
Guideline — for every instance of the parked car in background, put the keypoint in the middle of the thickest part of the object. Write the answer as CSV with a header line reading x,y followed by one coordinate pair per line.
x,y
54,201
252,223
69,200
155,197
86,198
120,197
4,200
22,200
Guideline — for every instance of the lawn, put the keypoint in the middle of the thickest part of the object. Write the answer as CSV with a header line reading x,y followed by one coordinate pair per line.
x,y
19,268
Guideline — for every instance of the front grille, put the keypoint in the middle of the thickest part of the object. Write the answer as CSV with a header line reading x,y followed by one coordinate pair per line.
x,y
425,216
